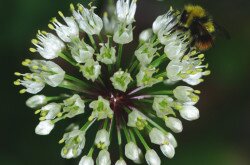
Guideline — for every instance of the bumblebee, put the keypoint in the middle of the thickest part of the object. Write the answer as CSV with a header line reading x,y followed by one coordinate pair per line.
x,y
201,26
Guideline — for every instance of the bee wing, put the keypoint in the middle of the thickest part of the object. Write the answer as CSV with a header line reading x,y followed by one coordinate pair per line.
x,y
220,30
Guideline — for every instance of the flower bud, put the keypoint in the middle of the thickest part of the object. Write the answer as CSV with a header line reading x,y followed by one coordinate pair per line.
x,y
103,158
36,101
86,160
174,124
145,35
189,113
120,162
152,158
44,127
171,139
168,150
157,137
132,152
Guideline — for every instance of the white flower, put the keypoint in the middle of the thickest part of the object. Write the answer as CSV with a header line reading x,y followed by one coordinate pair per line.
x,y
44,127
174,124
86,160
121,80
123,34
91,70
189,112
103,158
157,137
166,21
31,81
80,51
137,119
176,45
186,95
168,150
107,54
145,77
163,106
125,11
50,111
65,32
152,158
88,21
102,139
48,45
36,101
121,162
101,109
49,71
133,152
146,35
146,53
73,106
171,139
109,23
74,144
188,69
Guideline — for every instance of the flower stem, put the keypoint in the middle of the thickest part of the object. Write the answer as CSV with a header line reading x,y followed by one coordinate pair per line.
x,y
159,60
68,85
124,127
63,56
119,140
92,41
163,92
87,125
163,74
91,151
119,57
72,78
141,139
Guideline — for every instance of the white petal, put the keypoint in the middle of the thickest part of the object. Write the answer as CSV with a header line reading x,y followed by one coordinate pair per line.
x,y
44,127
86,161
152,158
120,162
103,158
189,113
168,150
174,124
171,139
36,101
156,136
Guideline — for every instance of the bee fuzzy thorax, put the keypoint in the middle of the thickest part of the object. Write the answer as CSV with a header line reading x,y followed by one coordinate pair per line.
x,y
195,19
195,10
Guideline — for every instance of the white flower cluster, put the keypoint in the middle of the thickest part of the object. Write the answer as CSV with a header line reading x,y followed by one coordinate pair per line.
x,y
124,96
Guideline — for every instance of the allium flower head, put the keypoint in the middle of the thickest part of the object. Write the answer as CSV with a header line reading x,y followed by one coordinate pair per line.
x,y
118,96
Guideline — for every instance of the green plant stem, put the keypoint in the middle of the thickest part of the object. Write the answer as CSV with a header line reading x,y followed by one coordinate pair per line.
x,y
68,85
63,56
141,139
92,41
159,60
91,151
119,141
72,78
163,92
87,125
119,57
163,74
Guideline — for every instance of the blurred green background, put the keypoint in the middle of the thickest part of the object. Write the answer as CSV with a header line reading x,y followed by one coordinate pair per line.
x,y
220,137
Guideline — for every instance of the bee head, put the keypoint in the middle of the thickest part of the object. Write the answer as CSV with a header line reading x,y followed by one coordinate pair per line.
x,y
190,13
